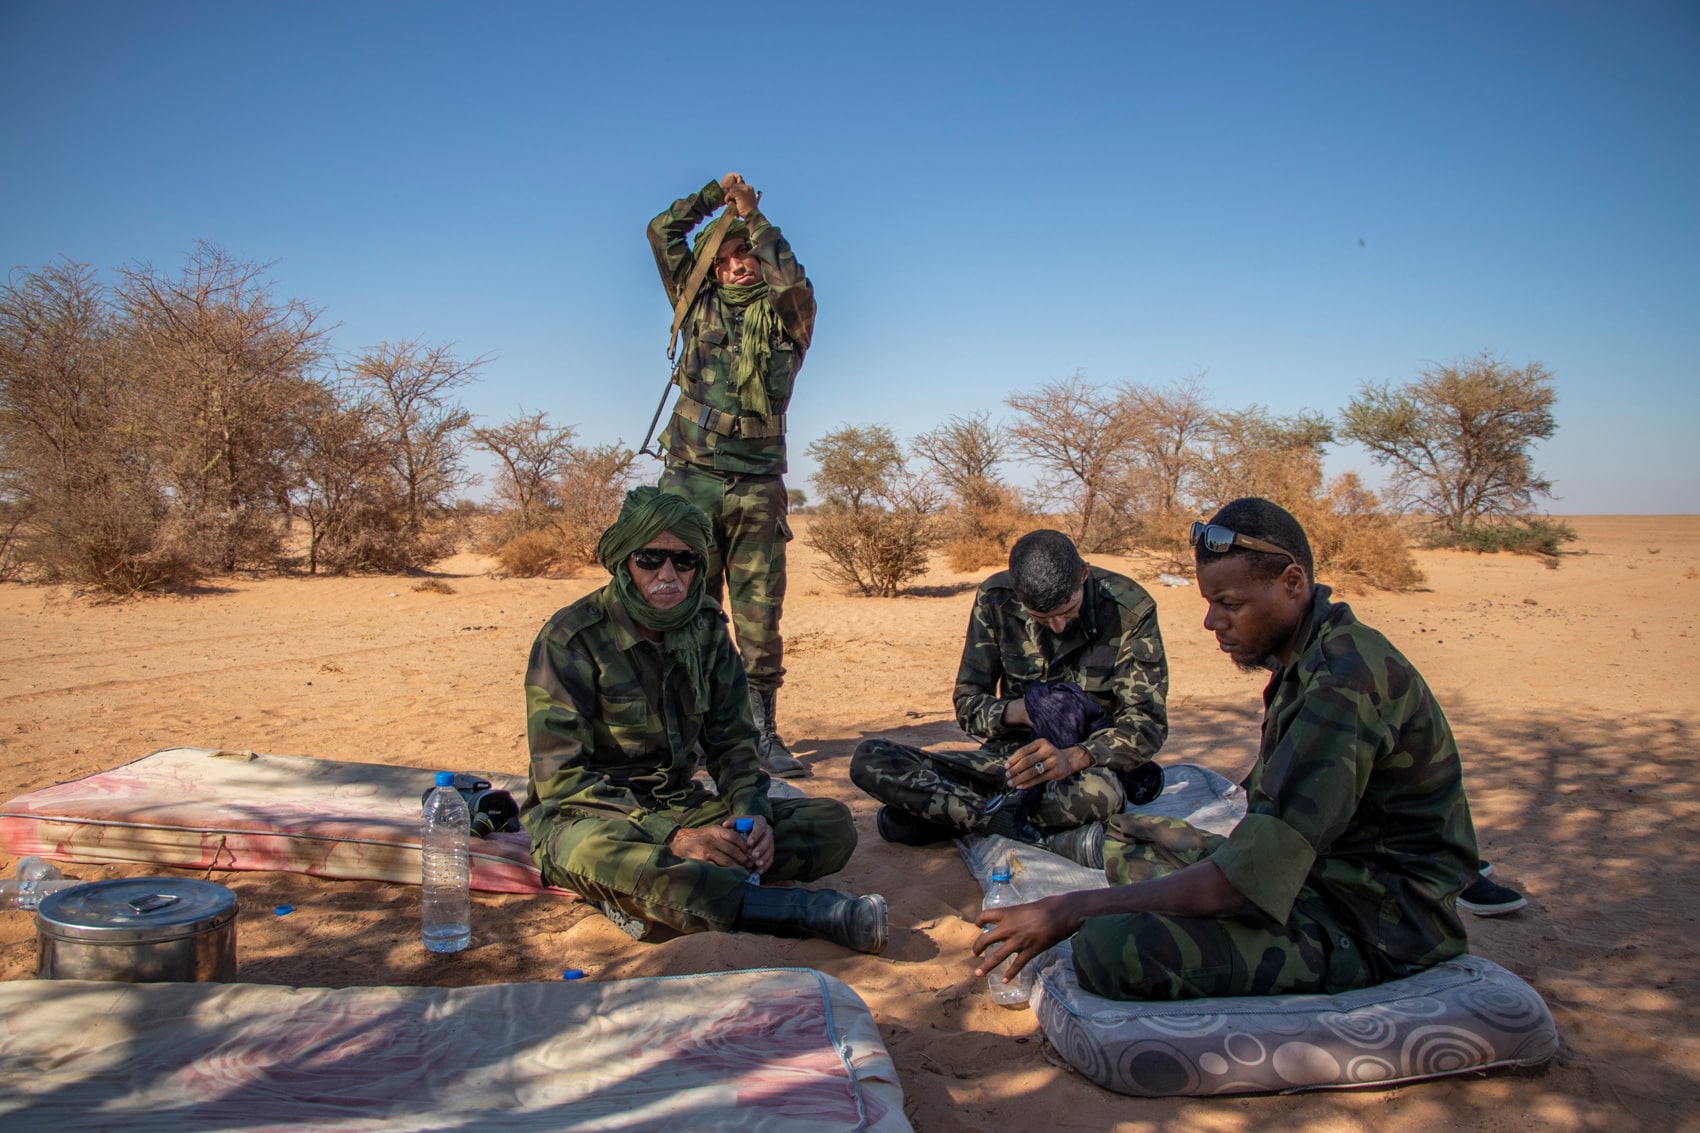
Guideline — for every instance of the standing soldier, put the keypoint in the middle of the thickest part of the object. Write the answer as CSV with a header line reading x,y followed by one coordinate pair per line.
x,y
746,331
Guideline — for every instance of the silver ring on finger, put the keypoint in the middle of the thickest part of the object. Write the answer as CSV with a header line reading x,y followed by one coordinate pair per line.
x,y
1039,767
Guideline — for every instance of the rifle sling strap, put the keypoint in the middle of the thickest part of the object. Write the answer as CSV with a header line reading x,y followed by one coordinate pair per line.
x,y
699,272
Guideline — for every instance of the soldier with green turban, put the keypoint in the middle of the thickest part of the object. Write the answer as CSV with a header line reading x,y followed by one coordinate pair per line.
x,y
745,334
625,690
1345,871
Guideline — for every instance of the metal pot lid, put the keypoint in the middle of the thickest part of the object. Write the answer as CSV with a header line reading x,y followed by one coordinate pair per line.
x,y
129,909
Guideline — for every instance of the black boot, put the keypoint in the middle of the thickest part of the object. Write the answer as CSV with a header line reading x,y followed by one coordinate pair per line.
x,y
1007,823
1083,844
857,923
909,830
774,756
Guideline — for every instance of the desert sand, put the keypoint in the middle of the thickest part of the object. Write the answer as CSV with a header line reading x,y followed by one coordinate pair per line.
x,y
1572,692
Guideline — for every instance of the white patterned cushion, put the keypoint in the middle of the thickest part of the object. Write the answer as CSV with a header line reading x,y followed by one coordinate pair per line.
x,y
1466,1014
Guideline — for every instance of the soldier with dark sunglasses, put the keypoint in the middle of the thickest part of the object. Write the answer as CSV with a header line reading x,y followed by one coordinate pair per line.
x,y
624,689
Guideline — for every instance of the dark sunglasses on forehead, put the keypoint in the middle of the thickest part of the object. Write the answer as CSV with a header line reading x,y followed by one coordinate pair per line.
x,y
1217,538
651,558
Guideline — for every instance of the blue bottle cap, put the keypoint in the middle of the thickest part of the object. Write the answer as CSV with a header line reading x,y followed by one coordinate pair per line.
x,y
1000,875
445,778
744,825
573,974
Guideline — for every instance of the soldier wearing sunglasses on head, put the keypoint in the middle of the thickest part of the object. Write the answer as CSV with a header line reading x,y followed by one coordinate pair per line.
x,y
623,688
1347,868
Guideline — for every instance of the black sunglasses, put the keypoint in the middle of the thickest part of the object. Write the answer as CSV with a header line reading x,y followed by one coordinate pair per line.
x,y
1217,538
651,558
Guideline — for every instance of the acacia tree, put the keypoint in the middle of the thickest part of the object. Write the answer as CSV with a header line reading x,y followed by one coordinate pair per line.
x,y
533,454
590,488
985,513
856,464
346,492
412,384
81,493
1078,437
1251,452
875,526
1457,439
226,371
1168,426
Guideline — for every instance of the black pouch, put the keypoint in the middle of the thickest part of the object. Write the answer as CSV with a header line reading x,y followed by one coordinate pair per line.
x,y
1143,784
491,811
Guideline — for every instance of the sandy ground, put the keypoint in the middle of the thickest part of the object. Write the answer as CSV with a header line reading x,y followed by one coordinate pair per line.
x,y
1571,690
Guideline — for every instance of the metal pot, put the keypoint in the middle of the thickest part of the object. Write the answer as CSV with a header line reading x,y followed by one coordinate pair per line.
x,y
138,930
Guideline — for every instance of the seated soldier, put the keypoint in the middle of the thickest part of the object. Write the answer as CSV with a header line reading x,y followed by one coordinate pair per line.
x,y
623,688
1063,679
1345,871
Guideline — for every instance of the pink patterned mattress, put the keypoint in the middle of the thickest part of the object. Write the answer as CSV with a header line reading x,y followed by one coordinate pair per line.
x,y
782,1049
199,808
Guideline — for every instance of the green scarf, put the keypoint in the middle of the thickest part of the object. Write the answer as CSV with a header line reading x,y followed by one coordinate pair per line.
x,y
645,514
761,322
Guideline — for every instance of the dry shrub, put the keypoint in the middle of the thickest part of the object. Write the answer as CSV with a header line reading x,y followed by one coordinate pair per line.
x,y
873,552
592,487
434,586
977,529
1351,536
971,554
530,554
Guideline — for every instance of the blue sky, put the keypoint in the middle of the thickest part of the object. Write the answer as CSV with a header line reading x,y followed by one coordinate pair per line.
x,y
1288,199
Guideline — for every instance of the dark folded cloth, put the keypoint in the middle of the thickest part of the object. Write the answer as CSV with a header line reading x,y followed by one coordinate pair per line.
x,y
1065,714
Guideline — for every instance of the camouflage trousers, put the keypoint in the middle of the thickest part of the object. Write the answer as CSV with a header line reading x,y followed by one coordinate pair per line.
x,y
748,552
637,881
951,787
1158,956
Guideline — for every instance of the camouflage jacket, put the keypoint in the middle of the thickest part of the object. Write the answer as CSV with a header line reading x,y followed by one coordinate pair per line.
x,y
613,725
1113,651
1357,794
712,332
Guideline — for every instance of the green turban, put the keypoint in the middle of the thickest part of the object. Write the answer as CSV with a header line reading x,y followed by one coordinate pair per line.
x,y
646,513
737,230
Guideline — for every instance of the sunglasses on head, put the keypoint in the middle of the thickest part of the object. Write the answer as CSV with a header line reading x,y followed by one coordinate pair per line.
x,y
651,558
1217,538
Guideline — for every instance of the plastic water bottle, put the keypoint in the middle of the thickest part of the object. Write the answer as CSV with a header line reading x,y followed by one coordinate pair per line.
x,y
1004,993
445,909
744,826
37,877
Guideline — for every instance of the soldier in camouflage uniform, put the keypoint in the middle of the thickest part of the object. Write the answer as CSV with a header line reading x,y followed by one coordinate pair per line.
x,y
623,689
1049,618
1344,872
744,340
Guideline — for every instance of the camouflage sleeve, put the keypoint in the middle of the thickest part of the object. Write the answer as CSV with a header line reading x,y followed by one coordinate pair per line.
x,y
1140,684
788,289
668,232
979,680
560,699
729,732
1307,792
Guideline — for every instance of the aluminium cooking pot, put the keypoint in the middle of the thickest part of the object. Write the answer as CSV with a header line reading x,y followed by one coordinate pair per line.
x,y
138,930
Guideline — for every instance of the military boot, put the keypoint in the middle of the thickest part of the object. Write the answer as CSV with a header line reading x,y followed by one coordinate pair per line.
x,y
1083,844
857,923
911,830
774,756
